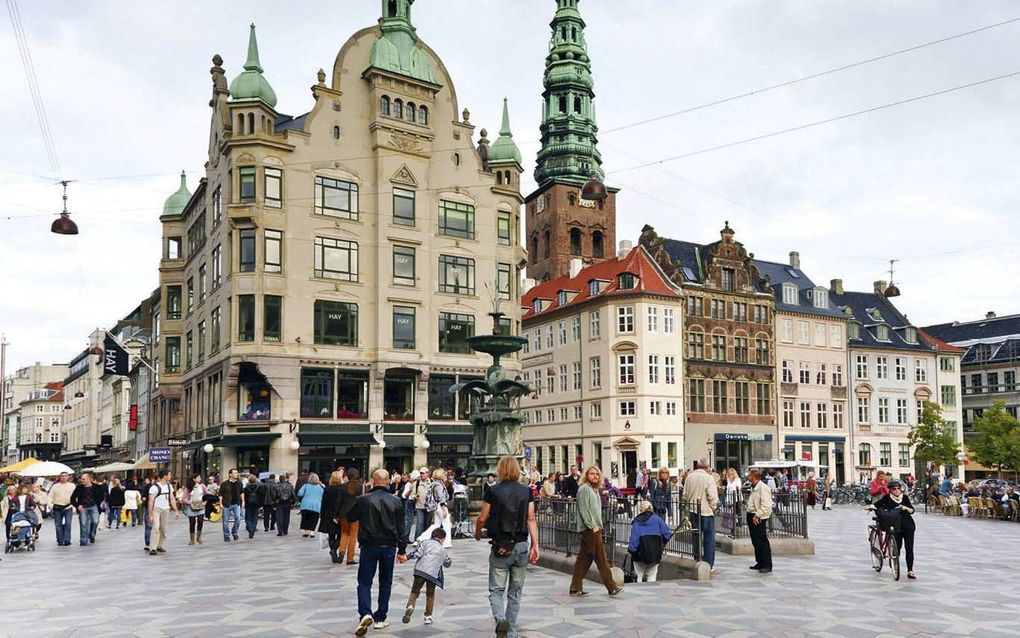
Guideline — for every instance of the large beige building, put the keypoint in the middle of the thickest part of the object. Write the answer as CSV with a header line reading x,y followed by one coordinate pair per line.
x,y
604,355
318,286
16,388
811,365
39,432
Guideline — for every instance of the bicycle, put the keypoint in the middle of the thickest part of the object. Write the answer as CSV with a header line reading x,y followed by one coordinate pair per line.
x,y
883,543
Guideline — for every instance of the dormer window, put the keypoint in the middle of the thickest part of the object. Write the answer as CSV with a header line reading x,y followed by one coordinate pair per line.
x,y
853,331
882,333
561,298
790,295
910,335
538,305
875,314
594,287
821,298
626,281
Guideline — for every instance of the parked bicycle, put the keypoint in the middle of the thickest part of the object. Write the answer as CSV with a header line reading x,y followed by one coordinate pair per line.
x,y
882,541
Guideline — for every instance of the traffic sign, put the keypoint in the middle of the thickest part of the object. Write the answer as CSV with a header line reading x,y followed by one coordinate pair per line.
x,y
159,454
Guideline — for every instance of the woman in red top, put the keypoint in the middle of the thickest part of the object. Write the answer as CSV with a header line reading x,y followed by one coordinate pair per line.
x,y
877,488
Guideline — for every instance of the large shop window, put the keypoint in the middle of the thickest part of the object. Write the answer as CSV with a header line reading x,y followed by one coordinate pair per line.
x,y
456,275
456,219
254,395
352,394
336,323
336,198
316,393
336,259
398,396
454,330
442,402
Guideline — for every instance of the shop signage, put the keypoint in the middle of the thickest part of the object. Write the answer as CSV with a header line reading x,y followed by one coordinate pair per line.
x,y
159,454
176,442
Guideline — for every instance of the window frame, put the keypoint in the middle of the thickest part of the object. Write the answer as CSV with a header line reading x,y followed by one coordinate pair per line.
x,y
321,187
445,228
404,195
320,247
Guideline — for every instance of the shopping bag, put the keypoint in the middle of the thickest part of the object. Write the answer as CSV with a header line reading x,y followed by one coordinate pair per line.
x,y
629,575
828,502
124,516
216,515
323,540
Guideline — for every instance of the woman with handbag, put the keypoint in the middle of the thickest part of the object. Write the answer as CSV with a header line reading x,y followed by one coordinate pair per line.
x,y
194,507
648,536
436,500
810,491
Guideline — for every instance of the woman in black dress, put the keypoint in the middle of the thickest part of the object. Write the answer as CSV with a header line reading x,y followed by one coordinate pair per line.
x,y
329,513
896,499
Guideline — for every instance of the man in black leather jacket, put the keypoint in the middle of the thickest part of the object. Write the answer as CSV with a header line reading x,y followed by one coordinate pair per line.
x,y
382,539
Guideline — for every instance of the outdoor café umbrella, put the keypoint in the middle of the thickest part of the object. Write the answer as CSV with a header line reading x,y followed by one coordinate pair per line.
x,y
117,466
143,463
46,468
20,465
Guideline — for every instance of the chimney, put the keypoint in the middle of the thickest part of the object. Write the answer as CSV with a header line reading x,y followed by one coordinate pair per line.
x,y
836,286
990,314
528,284
625,246
880,287
575,266
794,259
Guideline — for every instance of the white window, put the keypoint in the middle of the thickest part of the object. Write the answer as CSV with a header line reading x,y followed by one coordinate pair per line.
x,y
819,334
787,371
563,378
948,395
805,414
786,330
862,366
562,326
667,320
549,336
653,319
551,414
787,414
628,408
563,414
821,298
920,409
538,340
820,375
835,337
920,371
823,415
576,373
946,364
882,333
837,375
578,412
655,408
595,410
790,294
626,368
882,367
901,411
653,368
805,332
837,416
670,408
336,259
901,369
883,410
596,372
669,369
863,410
538,416
575,329
550,381
625,319
805,372
593,324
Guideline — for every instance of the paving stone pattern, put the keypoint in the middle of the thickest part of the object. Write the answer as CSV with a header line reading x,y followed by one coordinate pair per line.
x,y
272,586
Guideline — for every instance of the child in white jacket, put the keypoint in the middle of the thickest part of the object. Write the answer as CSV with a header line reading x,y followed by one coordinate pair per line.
x,y
428,571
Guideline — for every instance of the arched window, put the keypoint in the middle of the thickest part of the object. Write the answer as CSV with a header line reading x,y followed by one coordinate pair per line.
x,y
563,34
575,241
336,132
412,112
548,244
573,34
423,115
398,108
499,177
456,159
251,122
571,199
240,123
562,103
534,249
384,105
509,177
596,244
577,104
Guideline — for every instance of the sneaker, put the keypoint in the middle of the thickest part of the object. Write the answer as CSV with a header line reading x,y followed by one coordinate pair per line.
x,y
502,628
160,550
616,592
381,624
428,620
579,593
236,537
366,622
226,539
408,611
152,552
145,549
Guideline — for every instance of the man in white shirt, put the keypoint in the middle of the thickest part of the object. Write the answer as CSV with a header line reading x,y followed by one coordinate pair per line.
x,y
161,501
701,494
759,509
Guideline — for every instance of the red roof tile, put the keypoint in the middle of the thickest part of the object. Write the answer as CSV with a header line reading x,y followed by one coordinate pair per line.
x,y
939,344
649,280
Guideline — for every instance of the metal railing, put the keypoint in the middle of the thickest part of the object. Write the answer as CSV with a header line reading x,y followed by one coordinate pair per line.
x,y
788,520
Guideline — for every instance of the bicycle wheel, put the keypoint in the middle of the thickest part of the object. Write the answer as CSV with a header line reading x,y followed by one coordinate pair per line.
x,y
876,555
894,560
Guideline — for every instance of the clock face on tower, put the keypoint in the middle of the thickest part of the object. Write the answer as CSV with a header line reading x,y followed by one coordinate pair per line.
x,y
585,203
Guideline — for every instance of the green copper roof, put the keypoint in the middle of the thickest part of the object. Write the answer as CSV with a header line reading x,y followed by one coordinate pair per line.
x,y
397,49
504,149
251,84
175,204
569,153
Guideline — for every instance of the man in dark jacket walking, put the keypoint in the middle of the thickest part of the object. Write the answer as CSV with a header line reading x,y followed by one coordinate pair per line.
x,y
86,499
283,499
570,484
264,494
381,536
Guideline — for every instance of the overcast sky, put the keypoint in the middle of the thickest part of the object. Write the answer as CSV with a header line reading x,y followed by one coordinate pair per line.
x,y
933,183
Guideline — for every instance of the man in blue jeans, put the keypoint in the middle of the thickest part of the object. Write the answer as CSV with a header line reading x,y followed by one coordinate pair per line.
x,y
701,496
86,499
232,502
60,501
508,516
382,538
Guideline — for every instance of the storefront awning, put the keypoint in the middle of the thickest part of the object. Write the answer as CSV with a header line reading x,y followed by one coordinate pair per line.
x,y
399,441
336,438
451,438
250,439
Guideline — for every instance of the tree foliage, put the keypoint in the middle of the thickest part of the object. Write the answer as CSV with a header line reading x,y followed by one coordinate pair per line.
x,y
933,439
997,439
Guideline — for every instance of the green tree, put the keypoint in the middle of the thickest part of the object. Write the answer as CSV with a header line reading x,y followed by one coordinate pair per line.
x,y
933,440
997,439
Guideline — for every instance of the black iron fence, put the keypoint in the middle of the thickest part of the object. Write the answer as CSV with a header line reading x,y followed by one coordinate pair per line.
x,y
788,520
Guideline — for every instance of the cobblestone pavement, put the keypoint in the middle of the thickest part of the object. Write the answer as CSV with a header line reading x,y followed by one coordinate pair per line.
x,y
273,586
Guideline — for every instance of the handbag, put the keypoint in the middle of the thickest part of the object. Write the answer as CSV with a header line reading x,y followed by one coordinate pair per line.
x,y
629,575
323,540
828,502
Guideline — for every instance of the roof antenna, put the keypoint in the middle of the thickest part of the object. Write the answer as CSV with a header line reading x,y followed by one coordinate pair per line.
x,y
892,290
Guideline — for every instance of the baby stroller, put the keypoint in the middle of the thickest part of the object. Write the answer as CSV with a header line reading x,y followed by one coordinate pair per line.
x,y
22,532
462,528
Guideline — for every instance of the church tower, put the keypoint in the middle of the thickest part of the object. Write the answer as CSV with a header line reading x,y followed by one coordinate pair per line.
x,y
561,226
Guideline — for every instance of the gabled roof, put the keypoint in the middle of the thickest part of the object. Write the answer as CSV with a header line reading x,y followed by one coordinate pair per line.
x,y
859,305
940,345
778,274
982,329
648,280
